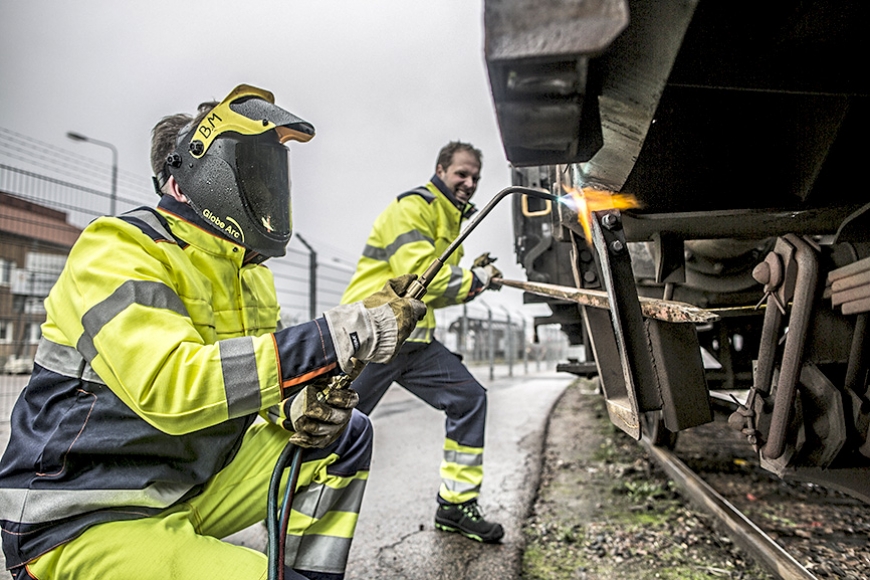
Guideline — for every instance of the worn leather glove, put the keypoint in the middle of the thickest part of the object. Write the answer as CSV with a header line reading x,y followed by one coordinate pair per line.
x,y
316,418
483,260
487,275
406,310
484,270
374,329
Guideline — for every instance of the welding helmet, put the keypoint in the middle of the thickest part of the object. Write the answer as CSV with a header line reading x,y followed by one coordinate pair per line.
x,y
233,168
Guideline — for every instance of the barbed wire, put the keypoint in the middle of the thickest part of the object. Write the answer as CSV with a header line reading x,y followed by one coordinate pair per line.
x,y
65,184
342,268
96,166
126,192
336,280
339,254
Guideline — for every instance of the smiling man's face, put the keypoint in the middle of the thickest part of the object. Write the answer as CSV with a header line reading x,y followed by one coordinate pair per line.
x,y
461,176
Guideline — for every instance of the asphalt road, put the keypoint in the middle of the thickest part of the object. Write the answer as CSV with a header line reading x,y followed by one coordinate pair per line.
x,y
395,537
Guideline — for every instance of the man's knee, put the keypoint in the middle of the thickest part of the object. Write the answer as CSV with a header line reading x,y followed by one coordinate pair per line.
x,y
469,399
354,446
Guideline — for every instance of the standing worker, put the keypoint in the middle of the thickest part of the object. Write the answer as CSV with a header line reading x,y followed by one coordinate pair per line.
x,y
135,447
408,236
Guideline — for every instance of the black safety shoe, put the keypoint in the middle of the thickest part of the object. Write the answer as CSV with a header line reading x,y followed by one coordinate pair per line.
x,y
466,519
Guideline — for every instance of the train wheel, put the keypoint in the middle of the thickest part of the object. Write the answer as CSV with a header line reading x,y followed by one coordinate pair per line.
x,y
655,430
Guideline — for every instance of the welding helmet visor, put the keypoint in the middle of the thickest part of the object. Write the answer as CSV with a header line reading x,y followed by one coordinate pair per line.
x,y
234,169
264,184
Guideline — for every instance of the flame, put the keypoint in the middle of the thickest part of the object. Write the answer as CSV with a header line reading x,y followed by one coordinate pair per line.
x,y
586,200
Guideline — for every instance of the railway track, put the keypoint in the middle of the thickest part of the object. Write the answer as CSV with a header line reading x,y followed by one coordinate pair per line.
x,y
793,529
742,530
605,509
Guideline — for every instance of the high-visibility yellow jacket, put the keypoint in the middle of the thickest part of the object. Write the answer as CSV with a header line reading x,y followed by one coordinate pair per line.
x,y
159,350
405,239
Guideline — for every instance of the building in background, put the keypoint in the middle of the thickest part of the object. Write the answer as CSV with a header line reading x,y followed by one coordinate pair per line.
x,y
34,243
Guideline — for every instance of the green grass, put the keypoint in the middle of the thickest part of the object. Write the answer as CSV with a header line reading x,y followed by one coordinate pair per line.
x,y
551,561
618,498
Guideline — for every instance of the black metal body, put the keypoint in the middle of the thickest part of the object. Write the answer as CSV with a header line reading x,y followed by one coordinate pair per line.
x,y
739,127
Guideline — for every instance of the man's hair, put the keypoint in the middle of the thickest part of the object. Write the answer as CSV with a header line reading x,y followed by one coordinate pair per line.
x,y
164,136
445,156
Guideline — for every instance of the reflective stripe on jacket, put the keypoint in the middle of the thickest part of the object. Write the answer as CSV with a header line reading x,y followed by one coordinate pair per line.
x,y
405,239
158,350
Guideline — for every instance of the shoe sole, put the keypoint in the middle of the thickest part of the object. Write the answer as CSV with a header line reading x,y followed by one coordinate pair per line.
x,y
469,535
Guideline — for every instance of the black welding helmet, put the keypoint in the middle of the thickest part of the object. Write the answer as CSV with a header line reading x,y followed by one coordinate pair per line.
x,y
233,168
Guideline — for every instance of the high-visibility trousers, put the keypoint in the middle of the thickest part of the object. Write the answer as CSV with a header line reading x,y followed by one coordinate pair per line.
x,y
438,377
183,542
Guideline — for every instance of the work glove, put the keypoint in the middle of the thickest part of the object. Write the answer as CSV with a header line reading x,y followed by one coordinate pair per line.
x,y
316,416
483,260
406,310
484,270
374,329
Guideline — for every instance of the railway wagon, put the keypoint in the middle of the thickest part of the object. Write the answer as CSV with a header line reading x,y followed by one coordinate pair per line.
x,y
740,266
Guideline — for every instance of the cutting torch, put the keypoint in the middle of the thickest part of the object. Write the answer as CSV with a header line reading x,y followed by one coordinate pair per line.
x,y
278,515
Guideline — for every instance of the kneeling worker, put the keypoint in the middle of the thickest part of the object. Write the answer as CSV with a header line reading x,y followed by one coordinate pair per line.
x,y
134,447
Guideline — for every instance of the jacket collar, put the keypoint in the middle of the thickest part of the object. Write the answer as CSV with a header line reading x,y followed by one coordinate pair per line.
x,y
187,225
466,210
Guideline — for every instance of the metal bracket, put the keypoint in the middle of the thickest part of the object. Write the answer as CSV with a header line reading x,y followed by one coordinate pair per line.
x,y
629,333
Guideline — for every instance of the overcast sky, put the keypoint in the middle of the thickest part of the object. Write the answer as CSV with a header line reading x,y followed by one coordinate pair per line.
x,y
386,83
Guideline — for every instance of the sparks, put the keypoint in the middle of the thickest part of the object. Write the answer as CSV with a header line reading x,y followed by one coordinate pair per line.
x,y
587,200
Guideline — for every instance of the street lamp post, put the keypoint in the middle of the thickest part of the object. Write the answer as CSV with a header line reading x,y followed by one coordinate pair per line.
x,y
113,197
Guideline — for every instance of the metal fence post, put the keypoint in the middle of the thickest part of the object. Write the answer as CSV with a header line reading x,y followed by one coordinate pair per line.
x,y
490,343
525,349
312,280
509,343
463,325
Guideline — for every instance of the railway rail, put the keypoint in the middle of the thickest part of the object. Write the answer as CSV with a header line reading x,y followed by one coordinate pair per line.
x,y
742,530
792,528
606,509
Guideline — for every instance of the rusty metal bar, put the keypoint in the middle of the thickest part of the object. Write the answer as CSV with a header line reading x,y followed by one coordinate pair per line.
x,y
849,270
858,356
854,281
632,342
792,357
850,295
849,287
664,310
